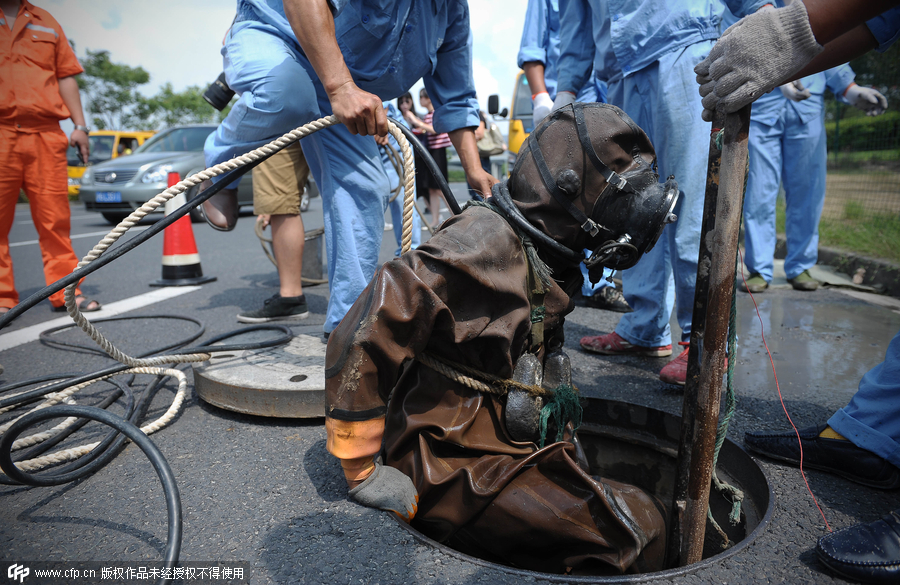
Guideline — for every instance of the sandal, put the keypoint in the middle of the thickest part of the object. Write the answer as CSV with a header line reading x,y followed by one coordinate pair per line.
x,y
83,305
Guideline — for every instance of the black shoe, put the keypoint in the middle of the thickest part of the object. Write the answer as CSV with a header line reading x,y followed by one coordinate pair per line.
x,y
609,298
836,456
868,553
278,308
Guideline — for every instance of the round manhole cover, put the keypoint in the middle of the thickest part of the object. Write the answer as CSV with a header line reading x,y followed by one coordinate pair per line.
x,y
287,381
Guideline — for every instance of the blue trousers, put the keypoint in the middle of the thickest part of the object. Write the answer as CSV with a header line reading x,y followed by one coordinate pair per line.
x,y
279,91
872,419
663,99
792,154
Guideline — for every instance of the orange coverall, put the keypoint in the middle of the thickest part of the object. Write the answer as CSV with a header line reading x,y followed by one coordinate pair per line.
x,y
34,55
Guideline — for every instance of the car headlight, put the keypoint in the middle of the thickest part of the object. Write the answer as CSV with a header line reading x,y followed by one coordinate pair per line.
x,y
88,177
74,182
157,174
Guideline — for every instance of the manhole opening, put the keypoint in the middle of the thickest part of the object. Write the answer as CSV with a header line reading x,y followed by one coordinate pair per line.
x,y
639,445
298,378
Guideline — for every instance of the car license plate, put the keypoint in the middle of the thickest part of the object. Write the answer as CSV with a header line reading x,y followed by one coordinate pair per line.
x,y
109,197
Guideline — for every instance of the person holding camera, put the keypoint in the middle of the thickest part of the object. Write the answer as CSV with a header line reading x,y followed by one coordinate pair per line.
x,y
293,62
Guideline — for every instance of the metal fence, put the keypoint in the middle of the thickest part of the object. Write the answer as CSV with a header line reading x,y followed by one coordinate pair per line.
x,y
863,166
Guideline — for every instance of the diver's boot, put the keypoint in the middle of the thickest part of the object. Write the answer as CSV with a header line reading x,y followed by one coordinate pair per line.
x,y
523,410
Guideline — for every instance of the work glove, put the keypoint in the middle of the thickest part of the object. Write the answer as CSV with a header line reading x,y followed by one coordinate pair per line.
x,y
793,93
542,104
388,489
563,98
753,56
866,99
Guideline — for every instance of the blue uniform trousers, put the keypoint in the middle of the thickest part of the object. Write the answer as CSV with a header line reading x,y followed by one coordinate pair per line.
x,y
279,92
792,154
872,419
662,98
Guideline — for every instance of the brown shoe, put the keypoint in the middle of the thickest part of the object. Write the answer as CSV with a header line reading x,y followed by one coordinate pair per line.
x,y
221,210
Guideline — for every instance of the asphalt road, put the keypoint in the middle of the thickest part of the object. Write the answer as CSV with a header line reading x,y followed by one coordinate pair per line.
x,y
264,495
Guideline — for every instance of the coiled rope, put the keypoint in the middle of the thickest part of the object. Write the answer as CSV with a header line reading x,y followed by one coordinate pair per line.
x,y
194,180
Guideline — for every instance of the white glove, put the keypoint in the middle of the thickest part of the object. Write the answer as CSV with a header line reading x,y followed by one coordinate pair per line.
x,y
866,99
791,92
563,98
542,104
753,56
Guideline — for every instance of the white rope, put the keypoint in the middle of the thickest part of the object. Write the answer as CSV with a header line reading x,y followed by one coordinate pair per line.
x,y
73,453
151,365
195,179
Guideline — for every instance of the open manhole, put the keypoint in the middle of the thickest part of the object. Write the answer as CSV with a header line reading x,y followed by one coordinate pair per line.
x,y
639,445
287,381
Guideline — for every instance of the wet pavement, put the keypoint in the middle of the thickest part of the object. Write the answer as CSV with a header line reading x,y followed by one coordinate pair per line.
x,y
263,494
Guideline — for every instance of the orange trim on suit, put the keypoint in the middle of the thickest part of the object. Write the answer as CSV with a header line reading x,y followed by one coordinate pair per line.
x,y
34,55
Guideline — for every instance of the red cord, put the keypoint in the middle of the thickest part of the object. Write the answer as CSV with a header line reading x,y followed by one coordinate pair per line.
x,y
780,397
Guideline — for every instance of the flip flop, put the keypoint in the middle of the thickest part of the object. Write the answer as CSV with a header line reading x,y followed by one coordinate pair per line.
x,y
82,306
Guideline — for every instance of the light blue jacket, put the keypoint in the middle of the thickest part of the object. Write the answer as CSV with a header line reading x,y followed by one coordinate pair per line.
x,y
769,108
540,39
886,28
628,35
388,45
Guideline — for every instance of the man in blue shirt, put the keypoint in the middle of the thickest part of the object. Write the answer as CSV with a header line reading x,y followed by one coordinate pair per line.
x,y
294,62
647,51
538,57
787,147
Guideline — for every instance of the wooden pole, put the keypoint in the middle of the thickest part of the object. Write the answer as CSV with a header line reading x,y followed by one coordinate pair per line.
x,y
709,336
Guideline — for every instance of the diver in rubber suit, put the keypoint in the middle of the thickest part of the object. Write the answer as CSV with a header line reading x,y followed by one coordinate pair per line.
x,y
488,291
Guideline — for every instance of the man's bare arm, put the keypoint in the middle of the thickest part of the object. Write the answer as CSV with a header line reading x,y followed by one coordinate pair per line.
x,y
68,91
313,24
463,140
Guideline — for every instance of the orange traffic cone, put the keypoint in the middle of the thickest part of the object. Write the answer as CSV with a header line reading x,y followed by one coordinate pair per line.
x,y
180,261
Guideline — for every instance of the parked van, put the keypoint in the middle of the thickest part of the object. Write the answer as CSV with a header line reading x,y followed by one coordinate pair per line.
x,y
105,145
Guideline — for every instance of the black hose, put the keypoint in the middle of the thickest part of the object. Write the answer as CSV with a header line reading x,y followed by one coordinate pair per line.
x,y
433,168
46,338
166,477
128,246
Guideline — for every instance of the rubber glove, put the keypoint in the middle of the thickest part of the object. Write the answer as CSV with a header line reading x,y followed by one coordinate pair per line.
x,y
872,102
563,98
753,55
387,488
542,105
791,92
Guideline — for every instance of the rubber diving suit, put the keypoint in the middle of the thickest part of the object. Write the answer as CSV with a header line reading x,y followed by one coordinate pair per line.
x,y
479,294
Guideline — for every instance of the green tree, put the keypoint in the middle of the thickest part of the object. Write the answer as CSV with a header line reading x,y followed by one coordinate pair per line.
x,y
170,108
110,91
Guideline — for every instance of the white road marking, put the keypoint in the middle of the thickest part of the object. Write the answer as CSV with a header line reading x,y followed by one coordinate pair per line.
x,y
32,333
139,228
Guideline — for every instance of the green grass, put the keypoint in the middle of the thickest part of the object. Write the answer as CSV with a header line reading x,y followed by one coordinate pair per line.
x,y
456,176
865,156
872,235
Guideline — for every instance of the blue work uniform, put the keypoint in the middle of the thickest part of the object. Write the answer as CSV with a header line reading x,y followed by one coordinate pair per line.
x,y
787,146
387,46
396,181
647,51
872,419
540,43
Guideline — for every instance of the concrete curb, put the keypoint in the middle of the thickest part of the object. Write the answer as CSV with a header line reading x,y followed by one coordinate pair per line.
x,y
882,275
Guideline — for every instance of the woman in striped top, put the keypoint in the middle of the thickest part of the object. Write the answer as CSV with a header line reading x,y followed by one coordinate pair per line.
x,y
437,145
